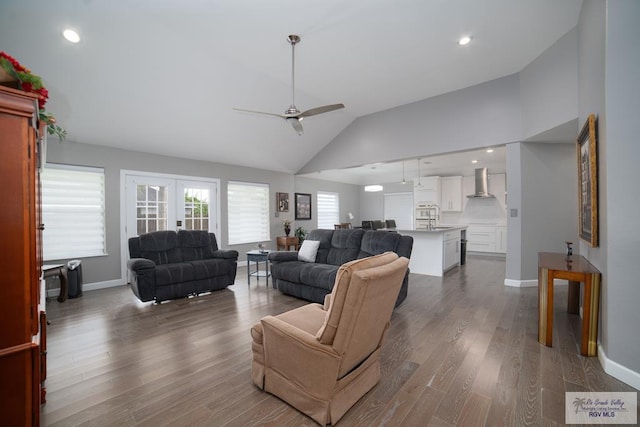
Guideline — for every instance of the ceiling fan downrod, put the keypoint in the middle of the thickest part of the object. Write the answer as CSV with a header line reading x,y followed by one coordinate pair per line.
x,y
293,40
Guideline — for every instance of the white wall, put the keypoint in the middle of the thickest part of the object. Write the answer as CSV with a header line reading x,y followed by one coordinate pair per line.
x,y
478,116
349,200
609,68
549,201
549,88
107,268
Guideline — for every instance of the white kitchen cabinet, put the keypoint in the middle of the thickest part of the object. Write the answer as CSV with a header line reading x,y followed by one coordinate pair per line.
x,y
481,238
429,183
428,192
487,238
451,194
451,249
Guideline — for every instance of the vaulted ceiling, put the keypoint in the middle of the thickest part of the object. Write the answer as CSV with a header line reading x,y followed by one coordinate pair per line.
x,y
163,76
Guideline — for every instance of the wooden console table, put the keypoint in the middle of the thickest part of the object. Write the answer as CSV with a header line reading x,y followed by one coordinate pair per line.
x,y
576,269
286,242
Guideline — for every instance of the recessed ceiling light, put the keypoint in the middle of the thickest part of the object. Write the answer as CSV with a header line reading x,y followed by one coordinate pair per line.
x,y
71,35
489,150
464,40
474,161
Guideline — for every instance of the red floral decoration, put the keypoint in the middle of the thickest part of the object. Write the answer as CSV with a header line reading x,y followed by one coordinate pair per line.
x,y
32,83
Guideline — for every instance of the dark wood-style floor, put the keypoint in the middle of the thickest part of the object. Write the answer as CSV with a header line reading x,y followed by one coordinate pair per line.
x,y
462,350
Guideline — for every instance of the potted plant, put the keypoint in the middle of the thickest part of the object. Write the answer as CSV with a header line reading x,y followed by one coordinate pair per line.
x,y
301,234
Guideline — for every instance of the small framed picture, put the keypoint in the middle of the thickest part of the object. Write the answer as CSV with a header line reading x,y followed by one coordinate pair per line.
x,y
303,206
588,182
282,202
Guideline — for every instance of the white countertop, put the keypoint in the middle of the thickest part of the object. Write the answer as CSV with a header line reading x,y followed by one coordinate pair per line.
x,y
442,229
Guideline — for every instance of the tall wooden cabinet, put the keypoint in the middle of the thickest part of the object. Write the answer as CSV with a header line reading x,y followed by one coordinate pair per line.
x,y
22,314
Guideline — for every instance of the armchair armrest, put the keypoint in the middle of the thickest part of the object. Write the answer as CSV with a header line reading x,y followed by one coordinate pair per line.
x,y
283,256
136,264
291,351
226,254
327,301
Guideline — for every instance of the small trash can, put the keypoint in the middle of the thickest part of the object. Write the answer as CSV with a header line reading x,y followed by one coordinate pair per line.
x,y
463,251
74,278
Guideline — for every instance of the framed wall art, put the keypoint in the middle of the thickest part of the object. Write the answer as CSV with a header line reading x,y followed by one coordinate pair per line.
x,y
588,182
303,206
282,202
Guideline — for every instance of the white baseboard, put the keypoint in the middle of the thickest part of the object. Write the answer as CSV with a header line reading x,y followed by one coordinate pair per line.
x,y
54,292
618,371
530,283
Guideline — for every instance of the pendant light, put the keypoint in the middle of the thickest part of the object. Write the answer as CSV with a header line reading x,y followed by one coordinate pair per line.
x,y
404,181
419,183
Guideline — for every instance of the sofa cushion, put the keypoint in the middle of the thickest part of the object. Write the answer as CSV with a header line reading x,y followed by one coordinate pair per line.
x,y
308,250
345,246
160,247
319,275
196,244
308,274
377,242
170,274
208,268
324,237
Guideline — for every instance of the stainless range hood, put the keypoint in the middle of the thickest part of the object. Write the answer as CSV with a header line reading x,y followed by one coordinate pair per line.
x,y
481,185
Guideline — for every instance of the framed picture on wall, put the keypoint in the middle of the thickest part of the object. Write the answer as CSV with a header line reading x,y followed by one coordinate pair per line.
x,y
282,202
588,182
303,206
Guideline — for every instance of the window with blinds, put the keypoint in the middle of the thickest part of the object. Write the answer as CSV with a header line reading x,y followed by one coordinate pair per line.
x,y
328,206
73,212
248,212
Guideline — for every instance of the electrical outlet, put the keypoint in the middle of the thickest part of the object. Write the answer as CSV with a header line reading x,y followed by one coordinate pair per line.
x,y
514,213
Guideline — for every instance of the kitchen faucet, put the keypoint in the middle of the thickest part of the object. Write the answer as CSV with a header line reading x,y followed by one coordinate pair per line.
x,y
431,221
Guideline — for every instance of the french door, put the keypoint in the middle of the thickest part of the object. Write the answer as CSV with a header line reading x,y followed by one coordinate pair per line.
x,y
155,202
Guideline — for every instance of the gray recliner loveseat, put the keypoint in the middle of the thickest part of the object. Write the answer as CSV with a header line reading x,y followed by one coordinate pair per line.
x,y
167,265
313,280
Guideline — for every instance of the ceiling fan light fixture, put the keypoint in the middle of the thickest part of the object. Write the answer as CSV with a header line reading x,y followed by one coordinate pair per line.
x,y
373,188
292,114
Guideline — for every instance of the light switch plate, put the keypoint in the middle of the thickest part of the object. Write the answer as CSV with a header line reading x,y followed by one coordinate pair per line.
x,y
514,213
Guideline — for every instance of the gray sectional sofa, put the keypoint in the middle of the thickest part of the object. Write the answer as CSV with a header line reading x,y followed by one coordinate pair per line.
x,y
313,280
167,265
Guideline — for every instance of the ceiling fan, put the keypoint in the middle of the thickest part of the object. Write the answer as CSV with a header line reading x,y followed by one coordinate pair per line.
x,y
292,114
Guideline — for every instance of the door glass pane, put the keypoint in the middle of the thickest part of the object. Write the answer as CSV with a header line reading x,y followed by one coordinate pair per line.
x,y
196,208
151,208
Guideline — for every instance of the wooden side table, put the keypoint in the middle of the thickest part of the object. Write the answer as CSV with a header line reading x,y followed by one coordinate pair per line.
x,y
576,269
286,242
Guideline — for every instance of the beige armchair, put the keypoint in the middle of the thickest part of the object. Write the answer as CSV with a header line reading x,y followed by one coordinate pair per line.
x,y
323,359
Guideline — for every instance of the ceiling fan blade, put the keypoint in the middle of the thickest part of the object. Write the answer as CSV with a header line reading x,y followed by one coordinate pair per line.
x,y
320,110
296,124
260,112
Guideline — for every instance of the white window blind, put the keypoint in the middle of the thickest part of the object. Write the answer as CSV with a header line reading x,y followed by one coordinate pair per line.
x,y
328,206
248,212
72,212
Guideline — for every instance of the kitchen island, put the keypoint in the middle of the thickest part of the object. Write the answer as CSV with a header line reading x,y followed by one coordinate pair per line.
x,y
435,250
